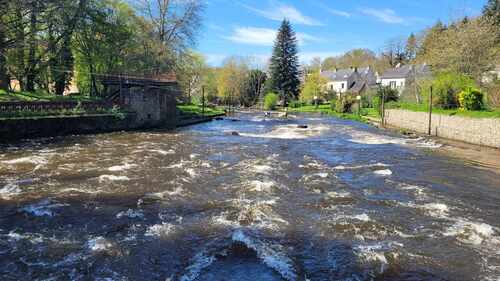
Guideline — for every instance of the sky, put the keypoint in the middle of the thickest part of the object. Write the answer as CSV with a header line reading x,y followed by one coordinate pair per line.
x,y
324,27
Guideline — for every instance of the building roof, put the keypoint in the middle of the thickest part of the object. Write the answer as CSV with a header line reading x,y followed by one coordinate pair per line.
x,y
339,75
406,71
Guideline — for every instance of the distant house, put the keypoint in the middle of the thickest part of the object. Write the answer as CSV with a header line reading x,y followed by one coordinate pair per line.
x,y
353,80
402,75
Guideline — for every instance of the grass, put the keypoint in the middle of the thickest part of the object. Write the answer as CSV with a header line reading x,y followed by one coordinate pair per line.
x,y
490,113
326,109
194,109
40,96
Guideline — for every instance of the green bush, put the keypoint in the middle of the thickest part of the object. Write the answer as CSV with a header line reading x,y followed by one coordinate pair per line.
x,y
445,87
270,101
390,96
471,99
344,104
333,103
294,104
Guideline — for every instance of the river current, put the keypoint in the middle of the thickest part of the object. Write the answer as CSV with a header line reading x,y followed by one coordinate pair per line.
x,y
332,200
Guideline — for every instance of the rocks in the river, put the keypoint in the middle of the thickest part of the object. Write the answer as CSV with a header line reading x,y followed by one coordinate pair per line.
x,y
302,126
235,133
219,118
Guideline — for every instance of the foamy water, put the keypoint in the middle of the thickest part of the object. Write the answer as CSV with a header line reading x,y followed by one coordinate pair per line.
x,y
334,201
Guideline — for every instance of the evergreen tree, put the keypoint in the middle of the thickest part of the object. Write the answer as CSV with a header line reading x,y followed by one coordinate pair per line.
x,y
492,10
284,66
411,47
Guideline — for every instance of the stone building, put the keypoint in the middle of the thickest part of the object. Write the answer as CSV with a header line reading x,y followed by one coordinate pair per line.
x,y
153,102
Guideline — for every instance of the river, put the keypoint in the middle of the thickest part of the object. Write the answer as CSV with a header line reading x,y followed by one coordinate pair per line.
x,y
338,200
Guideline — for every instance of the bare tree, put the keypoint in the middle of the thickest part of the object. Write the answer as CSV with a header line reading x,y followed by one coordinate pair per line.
x,y
176,22
394,51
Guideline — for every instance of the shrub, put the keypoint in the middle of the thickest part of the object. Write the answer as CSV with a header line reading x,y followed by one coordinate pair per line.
x,y
389,94
471,99
294,104
344,104
446,87
270,101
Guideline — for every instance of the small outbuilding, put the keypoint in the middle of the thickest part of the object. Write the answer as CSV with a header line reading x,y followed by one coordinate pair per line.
x,y
153,101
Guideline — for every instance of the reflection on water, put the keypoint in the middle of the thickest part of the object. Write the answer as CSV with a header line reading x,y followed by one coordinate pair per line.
x,y
335,200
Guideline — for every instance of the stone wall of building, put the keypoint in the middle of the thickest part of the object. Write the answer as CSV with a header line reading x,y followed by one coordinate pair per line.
x,y
480,131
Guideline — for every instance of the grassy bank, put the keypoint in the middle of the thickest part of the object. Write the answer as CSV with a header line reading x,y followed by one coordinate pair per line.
x,y
492,113
326,109
40,96
193,109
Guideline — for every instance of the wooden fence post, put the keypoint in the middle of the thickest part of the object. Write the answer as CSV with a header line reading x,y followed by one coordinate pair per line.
x,y
203,100
430,113
383,107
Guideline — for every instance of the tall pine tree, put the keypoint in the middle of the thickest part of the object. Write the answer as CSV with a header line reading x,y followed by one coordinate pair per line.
x,y
284,66
492,10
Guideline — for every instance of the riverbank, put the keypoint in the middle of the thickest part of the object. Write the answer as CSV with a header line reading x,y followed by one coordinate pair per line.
x,y
327,110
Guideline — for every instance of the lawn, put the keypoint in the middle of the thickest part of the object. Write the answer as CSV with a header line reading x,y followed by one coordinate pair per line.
x,y
40,96
491,113
326,109
198,110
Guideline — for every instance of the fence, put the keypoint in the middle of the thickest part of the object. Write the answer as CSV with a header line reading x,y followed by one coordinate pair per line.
x,y
13,107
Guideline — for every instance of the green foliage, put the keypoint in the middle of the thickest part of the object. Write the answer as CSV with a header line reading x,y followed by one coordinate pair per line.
x,y
344,104
313,87
389,94
471,99
252,87
446,86
284,67
295,104
270,101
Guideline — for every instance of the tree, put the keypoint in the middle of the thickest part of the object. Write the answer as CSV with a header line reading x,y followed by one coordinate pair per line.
x,y
284,66
469,48
231,80
189,74
394,52
411,47
314,86
253,87
492,10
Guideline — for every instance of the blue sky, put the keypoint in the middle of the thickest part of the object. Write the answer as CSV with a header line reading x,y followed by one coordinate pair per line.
x,y
324,27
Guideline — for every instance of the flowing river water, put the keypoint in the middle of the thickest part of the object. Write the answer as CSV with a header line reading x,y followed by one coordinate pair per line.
x,y
337,200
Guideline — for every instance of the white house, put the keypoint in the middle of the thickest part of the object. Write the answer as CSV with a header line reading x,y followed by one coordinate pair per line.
x,y
350,79
402,75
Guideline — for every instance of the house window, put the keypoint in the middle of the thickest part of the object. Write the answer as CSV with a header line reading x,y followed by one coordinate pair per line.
x,y
402,84
393,84
331,87
343,85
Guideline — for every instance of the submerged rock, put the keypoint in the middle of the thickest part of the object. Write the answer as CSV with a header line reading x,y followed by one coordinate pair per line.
x,y
235,133
302,126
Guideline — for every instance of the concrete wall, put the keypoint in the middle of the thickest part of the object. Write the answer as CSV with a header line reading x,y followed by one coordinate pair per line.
x,y
23,128
481,131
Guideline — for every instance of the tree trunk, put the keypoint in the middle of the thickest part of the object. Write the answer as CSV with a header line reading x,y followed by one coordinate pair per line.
x,y
4,77
31,69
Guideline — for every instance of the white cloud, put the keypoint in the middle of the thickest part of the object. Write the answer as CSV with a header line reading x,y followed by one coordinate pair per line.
x,y
279,11
338,13
385,15
264,36
261,60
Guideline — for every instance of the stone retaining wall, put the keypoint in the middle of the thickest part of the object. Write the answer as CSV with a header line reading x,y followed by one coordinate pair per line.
x,y
24,128
480,131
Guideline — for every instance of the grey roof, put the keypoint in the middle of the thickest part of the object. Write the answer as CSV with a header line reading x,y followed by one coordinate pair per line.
x,y
339,75
406,71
